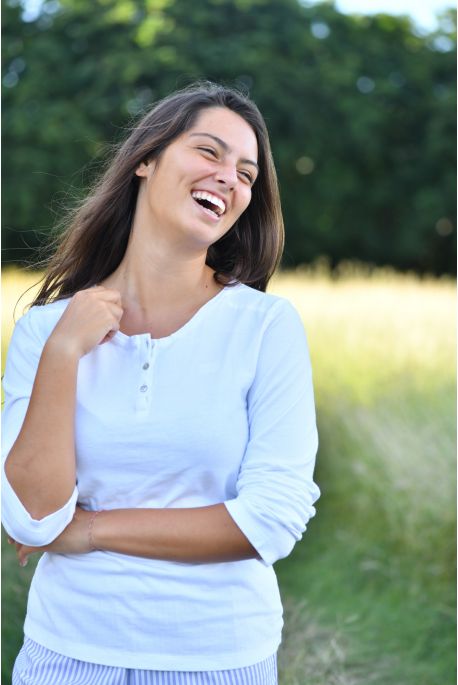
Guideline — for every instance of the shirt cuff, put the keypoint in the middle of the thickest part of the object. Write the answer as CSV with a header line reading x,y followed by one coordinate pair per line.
x,y
20,525
251,530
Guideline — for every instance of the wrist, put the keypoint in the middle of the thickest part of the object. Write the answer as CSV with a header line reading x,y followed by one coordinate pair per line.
x,y
92,540
61,348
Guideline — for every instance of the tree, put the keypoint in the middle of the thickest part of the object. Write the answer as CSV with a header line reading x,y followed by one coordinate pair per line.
x,y
360,112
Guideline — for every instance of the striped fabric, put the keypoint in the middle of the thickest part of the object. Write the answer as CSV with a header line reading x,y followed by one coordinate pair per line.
x,y
36,665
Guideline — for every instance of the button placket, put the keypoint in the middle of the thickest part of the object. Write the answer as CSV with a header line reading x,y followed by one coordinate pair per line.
x,y
144,388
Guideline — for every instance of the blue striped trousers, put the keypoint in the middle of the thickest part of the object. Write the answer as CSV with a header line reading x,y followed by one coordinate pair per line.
x,y
36,665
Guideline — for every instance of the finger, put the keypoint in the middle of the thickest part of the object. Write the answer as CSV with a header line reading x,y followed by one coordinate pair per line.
x,y
108,337
21,555
108,294
102,293
24,552
116,310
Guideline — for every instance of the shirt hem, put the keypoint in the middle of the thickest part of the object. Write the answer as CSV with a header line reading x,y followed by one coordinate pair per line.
x,y
150,661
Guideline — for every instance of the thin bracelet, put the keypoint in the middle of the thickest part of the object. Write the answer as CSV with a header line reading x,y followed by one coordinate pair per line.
x,y
90,531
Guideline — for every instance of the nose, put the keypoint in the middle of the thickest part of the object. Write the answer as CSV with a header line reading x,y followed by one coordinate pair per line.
x,y
226,174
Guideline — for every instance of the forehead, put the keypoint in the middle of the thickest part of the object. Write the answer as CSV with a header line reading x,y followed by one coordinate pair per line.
x,y
230,127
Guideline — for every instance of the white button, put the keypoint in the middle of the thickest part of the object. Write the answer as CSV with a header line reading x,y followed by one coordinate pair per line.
x,y
143,388
145,366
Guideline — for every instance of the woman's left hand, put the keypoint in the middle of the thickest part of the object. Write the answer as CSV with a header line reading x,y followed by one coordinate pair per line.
x,y
73,540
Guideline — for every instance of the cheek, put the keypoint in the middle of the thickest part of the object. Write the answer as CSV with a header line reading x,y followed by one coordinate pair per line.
x,y
243,201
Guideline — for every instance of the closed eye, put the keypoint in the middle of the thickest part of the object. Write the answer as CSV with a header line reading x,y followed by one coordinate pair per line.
x,y
210,150
248,176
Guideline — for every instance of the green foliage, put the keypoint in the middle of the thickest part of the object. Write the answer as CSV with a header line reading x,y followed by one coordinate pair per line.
x,y
360,110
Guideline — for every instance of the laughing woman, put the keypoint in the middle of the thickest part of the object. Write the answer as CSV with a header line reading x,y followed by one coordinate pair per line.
x,y
159,425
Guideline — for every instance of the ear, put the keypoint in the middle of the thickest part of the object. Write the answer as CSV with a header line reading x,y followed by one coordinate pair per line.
x,y
145,168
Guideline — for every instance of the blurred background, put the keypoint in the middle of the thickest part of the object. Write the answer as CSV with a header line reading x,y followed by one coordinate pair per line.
x,y
360,101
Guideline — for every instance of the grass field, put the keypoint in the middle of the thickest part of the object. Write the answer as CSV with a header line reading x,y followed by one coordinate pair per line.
x,y
369,593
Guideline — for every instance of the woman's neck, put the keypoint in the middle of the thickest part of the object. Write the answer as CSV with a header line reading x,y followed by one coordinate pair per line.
x,y
148,284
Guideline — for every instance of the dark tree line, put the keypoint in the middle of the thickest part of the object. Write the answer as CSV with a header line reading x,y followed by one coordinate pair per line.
x,y
361,112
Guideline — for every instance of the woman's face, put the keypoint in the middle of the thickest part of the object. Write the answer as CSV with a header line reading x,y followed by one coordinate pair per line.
x,y
202,182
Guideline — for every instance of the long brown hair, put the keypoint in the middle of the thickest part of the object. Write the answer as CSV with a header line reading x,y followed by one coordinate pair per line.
x,y
96,232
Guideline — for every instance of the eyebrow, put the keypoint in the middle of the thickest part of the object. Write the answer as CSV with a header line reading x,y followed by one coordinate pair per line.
x,y
225,147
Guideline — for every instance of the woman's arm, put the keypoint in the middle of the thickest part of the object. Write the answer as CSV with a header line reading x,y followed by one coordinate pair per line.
x,y
195,535
40,466
201,534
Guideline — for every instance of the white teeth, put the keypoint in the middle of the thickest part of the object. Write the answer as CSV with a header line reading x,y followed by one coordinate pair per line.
x,y
203,195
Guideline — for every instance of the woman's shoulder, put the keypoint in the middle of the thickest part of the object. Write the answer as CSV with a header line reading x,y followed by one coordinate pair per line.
x,y
39,320
267,304
264,313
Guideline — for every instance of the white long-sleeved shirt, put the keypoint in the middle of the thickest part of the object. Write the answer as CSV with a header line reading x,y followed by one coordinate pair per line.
x,y
221,411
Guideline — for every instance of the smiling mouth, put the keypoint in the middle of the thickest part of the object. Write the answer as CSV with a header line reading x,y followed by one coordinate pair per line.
x,y
209,202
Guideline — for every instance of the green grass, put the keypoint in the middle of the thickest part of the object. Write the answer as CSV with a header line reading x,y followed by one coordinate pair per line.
x,y
15,582
369,593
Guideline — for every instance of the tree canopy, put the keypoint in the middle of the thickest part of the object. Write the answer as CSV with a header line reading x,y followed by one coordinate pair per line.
x,y
361,114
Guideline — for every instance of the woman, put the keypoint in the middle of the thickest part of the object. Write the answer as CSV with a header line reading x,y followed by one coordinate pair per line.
x,y
159,421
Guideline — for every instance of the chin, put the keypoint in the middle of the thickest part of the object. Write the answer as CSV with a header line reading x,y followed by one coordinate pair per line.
x,y
206,236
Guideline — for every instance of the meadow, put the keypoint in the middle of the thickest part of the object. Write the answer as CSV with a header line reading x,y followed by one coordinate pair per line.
x,y
369,593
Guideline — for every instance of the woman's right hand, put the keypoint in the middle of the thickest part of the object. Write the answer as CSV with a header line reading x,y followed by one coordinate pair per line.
x,y
92,317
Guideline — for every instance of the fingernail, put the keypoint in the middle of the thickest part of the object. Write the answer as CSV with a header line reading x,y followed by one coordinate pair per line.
x,y
23,562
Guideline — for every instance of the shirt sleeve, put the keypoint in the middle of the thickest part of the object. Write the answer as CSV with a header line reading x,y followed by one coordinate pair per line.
x,y
275,488
21,367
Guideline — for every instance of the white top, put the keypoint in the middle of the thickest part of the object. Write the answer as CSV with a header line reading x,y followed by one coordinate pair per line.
x,y
222,410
